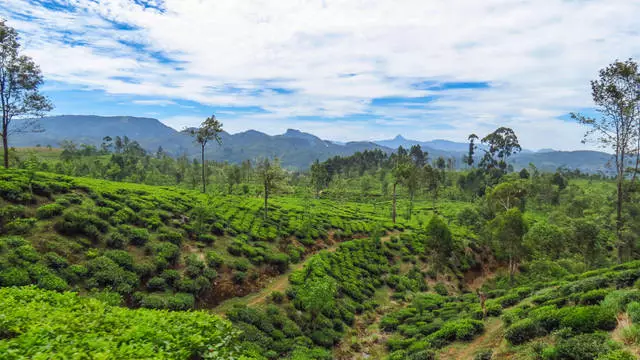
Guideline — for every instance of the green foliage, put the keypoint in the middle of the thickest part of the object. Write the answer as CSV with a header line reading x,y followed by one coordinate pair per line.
x,y
522,331
49,210
440,241
633,309
583,347
40,323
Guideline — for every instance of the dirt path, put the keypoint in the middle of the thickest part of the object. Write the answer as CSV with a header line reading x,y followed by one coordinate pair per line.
x,y
278,283
490,339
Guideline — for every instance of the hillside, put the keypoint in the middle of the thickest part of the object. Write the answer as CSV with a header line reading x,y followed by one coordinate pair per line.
x,y
294,148
321,278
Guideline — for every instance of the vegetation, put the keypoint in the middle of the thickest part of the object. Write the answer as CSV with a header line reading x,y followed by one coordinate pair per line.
x,y
20,78
107,252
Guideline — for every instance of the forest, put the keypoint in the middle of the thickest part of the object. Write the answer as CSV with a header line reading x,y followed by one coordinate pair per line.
x,y
116,252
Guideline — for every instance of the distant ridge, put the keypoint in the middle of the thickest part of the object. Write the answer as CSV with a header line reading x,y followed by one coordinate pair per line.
x,y
296,149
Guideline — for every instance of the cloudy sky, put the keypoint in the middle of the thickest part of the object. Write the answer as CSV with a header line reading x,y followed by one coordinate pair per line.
x,y
341,69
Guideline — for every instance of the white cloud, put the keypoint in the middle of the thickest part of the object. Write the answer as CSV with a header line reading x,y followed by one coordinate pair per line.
x,y
538,55
154,102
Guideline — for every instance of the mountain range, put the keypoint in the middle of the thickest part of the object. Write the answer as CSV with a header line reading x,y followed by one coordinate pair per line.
x,y
294,148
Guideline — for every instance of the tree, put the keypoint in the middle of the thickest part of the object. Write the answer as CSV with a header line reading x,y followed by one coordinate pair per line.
x,y
233,176
107,144
319,177
545,240
400,172
588,241
472,149
210,129
412,181
439,241
317,295
616,94
20,79
418,156
271,175
508,195
433,178
507,231
501,143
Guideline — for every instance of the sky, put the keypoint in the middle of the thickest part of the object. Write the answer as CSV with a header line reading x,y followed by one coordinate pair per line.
x,y
340,69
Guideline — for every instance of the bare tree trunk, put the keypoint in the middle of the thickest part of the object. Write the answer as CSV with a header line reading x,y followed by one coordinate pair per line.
x,y
5,147
266,199
619,218
393,208
204,177
637,167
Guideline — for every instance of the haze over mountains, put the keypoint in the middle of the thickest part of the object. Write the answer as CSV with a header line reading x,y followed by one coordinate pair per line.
x,y
295,149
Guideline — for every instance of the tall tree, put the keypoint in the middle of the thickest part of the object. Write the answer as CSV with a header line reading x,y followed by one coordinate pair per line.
x,y
472,149
616,94
233,176
210,129
20,79
439,241
319,177
271,175
508,230
501,143
418,156
401,171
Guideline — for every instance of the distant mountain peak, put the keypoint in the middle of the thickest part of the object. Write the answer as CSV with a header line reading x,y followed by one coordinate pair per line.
x,y
293,132
399,137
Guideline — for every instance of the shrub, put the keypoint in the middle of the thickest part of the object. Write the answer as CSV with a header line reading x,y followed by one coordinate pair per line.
x,y
117,240
441,289
486,354
593,297
55,261
166,251
20,226
508,300
617,355
207,239
48,211
463,330
426,354
493,308
277,297
239,277
131,333
214,259
52,282
582,347
171,236
13,192
136,236
156,284
617,300
170,276
76,222
14,277
120,257
631,335
547,317
522,331
633,309
586,319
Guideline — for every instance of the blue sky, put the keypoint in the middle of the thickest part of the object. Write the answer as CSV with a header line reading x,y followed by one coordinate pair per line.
x,y
343,70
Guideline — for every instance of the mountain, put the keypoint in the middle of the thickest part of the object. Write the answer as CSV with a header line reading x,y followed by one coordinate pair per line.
x,y
91,129
438,146
295,149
